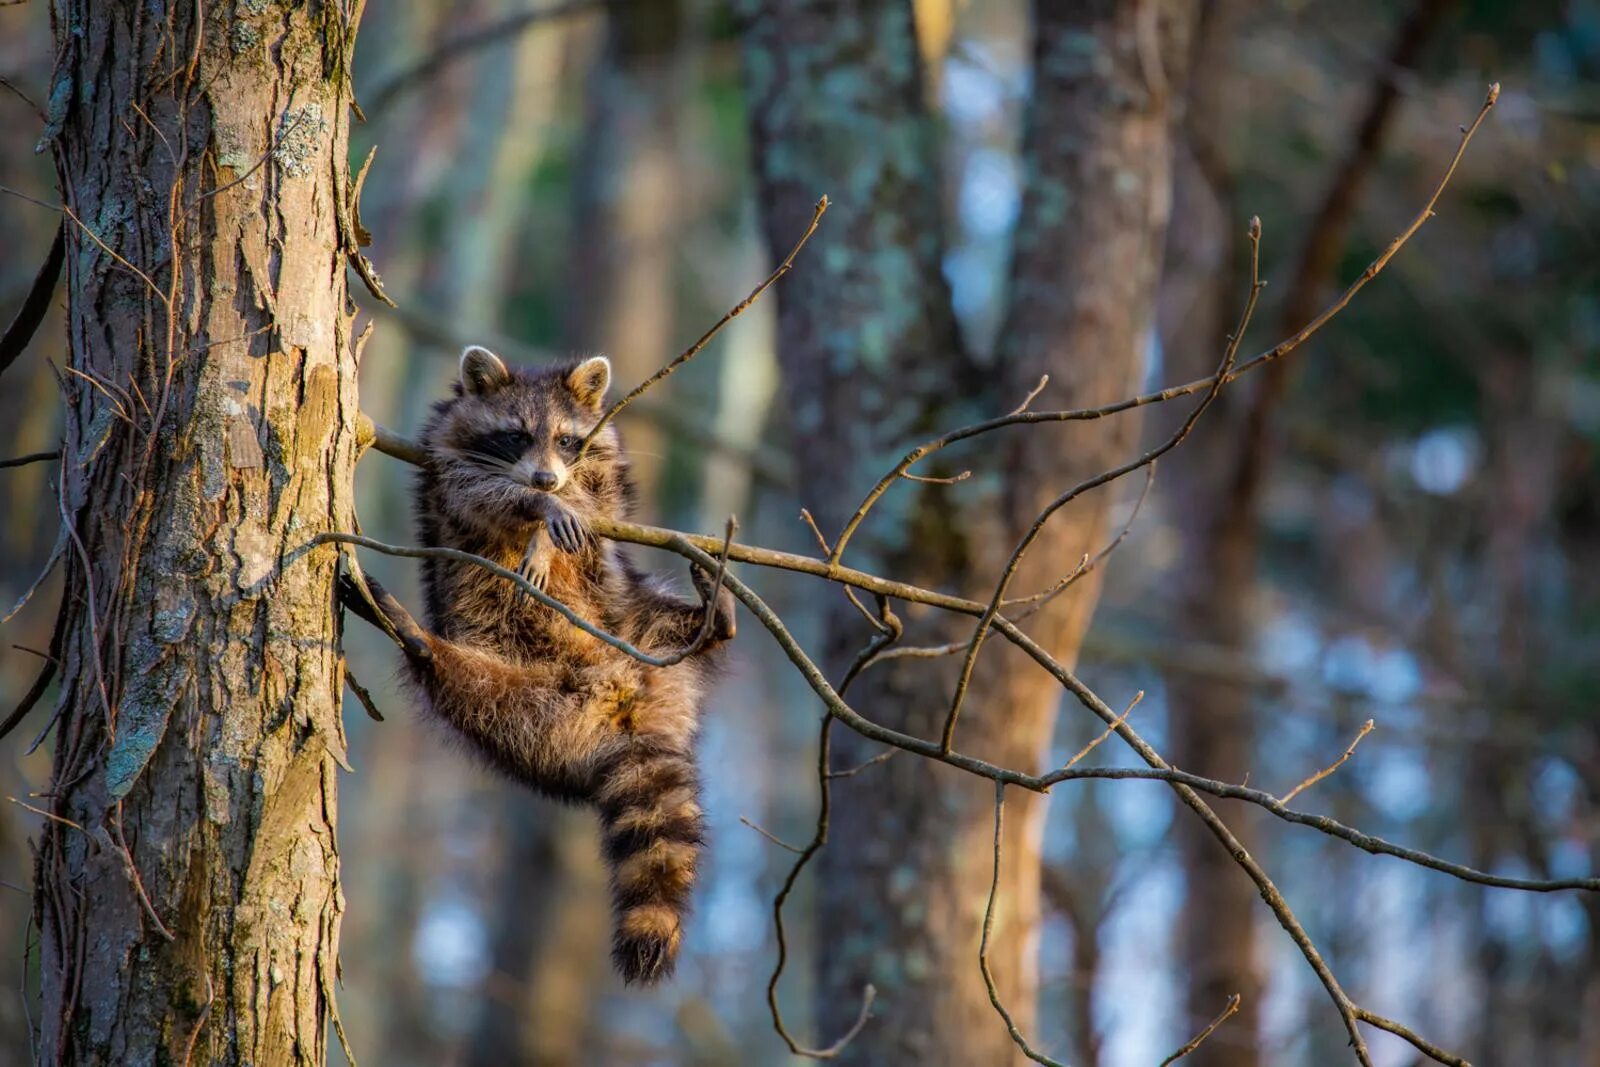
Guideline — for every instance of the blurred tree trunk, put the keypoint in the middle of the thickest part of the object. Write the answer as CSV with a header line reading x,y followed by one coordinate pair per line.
x,y
873,363
1219,478
1212,723
189,910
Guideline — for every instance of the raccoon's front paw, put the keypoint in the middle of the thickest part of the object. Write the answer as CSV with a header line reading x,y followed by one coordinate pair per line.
x,y
536,563
725,623
567,530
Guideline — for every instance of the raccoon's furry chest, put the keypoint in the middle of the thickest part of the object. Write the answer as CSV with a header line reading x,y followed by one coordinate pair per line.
x,y
478,608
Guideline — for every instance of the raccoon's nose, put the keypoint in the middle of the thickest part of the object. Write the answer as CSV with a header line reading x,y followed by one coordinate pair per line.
x,y
545,480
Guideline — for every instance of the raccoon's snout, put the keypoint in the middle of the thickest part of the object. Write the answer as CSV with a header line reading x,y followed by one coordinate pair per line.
x,y
545,480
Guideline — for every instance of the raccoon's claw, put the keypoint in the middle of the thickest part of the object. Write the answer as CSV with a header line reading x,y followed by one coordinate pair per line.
x,y
536,565
567,531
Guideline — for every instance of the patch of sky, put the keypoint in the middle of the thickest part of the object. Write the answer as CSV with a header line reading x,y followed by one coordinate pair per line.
x,y
1397,782
1563,927
1291,645
1140,983
1155,361
451,945
973,92
1352,664
1556,787
990,195
1140,815
1443,460
735,915
974,281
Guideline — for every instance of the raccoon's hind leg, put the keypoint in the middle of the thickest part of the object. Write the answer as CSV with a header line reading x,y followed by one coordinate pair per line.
x,y
652,830
526,718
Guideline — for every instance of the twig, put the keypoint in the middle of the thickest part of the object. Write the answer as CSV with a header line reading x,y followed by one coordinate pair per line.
x,y
1194,1042
1087,565
132,871
1427,1048
1044,380
770,836
1110,729
1335,765
851,772
200,1023
928,479
850,594
18,91
362,694
49,815
988,926
890,632
31,457
693,350
272,146
49,567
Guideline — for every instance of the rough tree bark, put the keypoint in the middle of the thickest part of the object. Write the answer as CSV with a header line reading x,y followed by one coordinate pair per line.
x,y
187,889
873,362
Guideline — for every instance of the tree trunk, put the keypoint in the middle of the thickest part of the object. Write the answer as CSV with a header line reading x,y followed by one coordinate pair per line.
x,y
187,888
1211,719
874,363
1219,480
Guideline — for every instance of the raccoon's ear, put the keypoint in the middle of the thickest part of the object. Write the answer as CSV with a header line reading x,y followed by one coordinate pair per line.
x,y
482,371
589,380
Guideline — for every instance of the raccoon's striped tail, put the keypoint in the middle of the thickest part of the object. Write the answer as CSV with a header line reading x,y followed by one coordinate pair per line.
x,y
652,830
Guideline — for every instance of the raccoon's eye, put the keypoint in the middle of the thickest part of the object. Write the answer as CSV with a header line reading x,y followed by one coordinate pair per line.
x,y
569,441
505,445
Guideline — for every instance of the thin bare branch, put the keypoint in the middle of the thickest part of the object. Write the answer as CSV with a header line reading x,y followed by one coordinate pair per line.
x,y
1427,1048
1044,380
362,694
516,579
693,350
1110,729
48,814
770,836
1335,765
851,772
1195,1042
31,457
988,927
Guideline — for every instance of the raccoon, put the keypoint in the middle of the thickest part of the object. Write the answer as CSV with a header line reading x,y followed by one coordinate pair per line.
x,y
547,704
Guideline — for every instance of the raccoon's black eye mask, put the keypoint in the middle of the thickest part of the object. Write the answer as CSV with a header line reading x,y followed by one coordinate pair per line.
x,y
506,445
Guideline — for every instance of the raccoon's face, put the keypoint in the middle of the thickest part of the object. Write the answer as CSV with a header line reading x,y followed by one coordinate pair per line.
x,y
524,427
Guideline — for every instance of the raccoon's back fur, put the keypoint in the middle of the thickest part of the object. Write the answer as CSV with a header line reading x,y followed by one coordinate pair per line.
x,y
551,706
